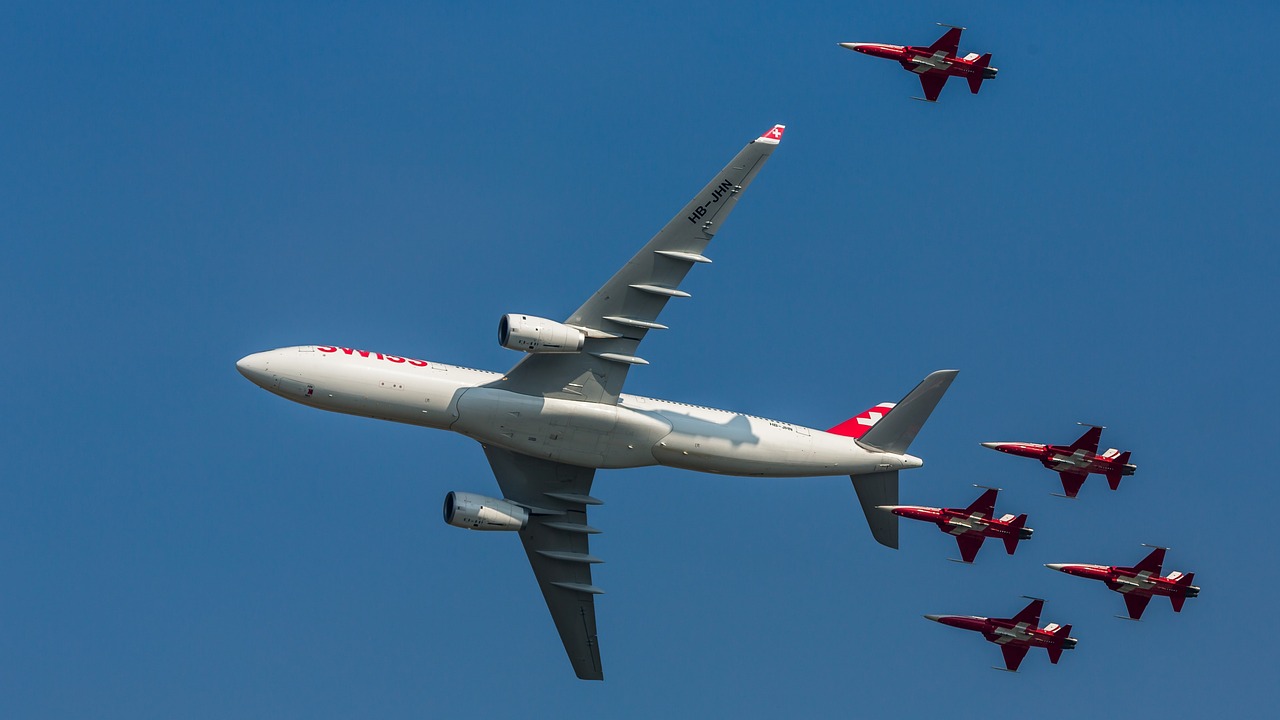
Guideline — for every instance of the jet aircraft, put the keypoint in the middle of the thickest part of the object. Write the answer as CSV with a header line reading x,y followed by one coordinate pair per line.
x,y
547,424
935,63
1074,462
1016,635
971,525
1139,583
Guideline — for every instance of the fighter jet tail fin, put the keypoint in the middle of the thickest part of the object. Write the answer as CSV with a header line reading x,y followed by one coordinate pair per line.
x,y
980,73
1113,477
1011,542
1178,600
896,430
1061,634
879,489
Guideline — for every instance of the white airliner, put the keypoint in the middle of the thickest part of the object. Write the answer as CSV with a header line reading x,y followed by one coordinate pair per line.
x,y
560,414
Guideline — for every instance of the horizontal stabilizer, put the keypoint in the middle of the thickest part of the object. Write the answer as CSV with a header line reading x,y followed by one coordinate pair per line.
x,y
879,489
896,430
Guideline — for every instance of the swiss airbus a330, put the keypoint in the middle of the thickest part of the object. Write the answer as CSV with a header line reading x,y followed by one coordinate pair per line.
x,y
547,424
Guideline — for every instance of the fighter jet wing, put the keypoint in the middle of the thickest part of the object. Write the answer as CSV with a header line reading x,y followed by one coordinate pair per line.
x,y
1152,563
1030,614
985,505
619,314
949,42
1136,604
555,540
1013,655
1089,440
969,546
932,84
1071,482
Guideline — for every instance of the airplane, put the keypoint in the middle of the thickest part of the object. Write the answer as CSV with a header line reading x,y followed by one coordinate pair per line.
x,y
1074,462
935,63
547,424
1016,635
971,525
1139,583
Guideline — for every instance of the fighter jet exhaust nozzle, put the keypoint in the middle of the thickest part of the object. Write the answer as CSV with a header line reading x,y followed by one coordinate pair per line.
x,y
478,512
989,72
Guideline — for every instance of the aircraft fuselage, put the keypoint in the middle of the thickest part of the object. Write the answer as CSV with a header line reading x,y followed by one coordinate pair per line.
x,y
636,432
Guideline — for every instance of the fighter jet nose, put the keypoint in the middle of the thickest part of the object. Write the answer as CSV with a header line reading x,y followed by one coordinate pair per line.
x,y
1056,566
935,618
992,445
857,47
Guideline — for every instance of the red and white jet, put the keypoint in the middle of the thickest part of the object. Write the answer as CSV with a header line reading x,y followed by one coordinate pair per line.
x,y
971,525
936,63
1016,635
1139,583
1074,462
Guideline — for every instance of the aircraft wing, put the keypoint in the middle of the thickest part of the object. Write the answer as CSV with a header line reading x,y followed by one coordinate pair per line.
x,y
618,316
1089,440
555,540
1152,563
949,42
1136,604
932,84
1072,482
1030,613
1013,655
985,505
969,546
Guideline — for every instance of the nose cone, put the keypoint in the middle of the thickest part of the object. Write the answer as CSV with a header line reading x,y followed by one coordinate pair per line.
x,y
254,368
935,618
1060,567
856,47
992,445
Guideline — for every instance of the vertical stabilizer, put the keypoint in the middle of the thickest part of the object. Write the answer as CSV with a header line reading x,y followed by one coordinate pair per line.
x,y
896,430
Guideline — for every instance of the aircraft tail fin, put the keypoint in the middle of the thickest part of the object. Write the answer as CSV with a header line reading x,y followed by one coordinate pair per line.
x,y
1061,634
879,489
896,430
1113,477
980,73
858,425
1178,600
1011,542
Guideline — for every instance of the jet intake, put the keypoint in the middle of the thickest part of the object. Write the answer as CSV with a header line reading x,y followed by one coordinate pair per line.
x,y
531,334
478,512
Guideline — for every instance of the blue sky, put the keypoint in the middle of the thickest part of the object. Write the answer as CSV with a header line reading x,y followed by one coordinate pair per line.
x,y
1091,238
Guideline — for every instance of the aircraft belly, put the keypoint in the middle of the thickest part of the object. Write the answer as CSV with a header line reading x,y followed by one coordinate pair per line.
x,y
732,444
569,431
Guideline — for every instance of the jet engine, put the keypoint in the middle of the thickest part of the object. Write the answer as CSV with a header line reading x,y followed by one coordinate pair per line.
x,y
530,334
478,512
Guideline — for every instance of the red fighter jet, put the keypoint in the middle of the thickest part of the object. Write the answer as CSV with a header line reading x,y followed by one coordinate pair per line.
x,y
971,525
1074,462
1016,635
936,63
1139,583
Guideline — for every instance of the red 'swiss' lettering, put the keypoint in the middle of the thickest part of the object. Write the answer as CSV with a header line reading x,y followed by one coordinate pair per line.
x,y
366,353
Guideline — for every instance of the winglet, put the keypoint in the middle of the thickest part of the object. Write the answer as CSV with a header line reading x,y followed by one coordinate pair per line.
x,y
774,136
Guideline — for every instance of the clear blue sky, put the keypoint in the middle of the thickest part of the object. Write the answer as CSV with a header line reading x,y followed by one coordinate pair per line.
x,y
1091,238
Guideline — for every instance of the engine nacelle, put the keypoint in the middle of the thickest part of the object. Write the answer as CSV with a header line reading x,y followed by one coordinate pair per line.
x,y
479,512
530,334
